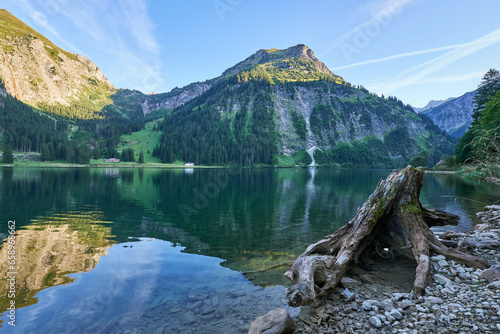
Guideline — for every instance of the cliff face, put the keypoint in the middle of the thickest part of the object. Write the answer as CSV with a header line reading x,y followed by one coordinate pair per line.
x,y
173,99
330,114
455,115
36,71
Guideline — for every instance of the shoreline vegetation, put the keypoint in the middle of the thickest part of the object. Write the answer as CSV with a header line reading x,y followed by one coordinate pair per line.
x,y
106,165
467,171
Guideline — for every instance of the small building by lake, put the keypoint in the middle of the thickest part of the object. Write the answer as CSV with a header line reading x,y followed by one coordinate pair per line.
x,y
189,164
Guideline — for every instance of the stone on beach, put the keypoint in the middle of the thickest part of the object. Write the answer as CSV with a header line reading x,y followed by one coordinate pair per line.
x,y
277,321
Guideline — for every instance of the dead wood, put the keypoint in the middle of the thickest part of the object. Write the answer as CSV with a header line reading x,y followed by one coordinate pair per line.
x,y
392,218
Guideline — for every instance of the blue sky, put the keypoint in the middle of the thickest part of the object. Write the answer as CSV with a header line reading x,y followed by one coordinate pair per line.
x,y
417,50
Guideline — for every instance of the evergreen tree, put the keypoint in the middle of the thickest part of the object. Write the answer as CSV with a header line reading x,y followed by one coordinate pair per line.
x,y
83,154
70,154
45,154
487,88
127,155
484,114
97,154
48,152
141,157
8,157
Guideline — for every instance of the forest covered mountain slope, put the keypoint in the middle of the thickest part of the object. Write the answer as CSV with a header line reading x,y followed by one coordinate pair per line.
x,y
276,107
284,107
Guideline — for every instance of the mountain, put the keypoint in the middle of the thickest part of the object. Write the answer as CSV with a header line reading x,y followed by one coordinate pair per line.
x,y
286,107
276,107
453,116
58,103
431,104
41,74
297,63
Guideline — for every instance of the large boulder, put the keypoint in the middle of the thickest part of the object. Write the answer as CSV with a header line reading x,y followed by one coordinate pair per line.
x,y
492,274
277,321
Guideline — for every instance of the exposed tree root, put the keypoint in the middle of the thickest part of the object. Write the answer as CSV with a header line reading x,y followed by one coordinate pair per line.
x,y
391,218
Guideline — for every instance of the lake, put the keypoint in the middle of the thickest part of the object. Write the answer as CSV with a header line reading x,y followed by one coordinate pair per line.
x,y
108,250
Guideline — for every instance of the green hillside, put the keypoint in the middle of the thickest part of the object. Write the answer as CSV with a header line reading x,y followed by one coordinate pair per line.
x,y
257,122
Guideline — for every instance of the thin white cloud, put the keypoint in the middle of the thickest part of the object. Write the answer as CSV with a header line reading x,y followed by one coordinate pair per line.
x,y
122,29
136,14
380,18
418,73
401,55
41,19
476,75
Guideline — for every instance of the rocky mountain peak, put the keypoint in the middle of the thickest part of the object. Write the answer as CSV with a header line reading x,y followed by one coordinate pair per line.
x,y
300,50
265,56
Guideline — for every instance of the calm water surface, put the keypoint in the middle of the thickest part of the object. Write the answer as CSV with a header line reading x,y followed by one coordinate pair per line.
x,y
169,251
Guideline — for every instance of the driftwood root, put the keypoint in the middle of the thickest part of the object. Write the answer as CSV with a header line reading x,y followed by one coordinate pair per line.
x,y
392,218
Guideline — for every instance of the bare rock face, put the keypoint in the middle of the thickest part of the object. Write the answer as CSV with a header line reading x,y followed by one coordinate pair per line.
x,y
454,115
34,70
277,321
155,102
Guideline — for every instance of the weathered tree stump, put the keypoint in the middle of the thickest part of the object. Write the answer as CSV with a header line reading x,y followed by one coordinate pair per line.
x,y
392,218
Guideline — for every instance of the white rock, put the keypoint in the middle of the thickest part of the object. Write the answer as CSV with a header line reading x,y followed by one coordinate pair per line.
x,y
404,304
368,304
494,285
442,279
438,258
349,283
275,321
375,322
399,296
388,305
421,309
443,263
389,318
434,300
395,314
444,318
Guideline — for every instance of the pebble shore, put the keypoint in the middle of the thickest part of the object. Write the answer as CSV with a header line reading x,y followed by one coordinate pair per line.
x,y
458,300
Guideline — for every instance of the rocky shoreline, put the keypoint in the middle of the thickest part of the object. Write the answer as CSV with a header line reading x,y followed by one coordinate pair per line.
x,y
375,296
